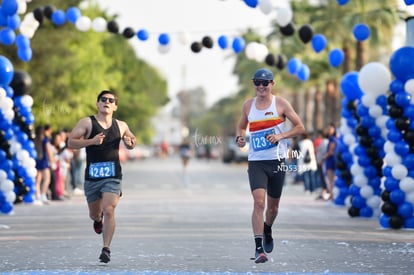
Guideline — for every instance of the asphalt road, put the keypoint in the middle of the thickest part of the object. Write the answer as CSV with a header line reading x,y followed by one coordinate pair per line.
x,y
169,223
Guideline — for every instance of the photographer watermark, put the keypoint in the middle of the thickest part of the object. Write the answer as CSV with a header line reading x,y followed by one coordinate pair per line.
x,y
200,140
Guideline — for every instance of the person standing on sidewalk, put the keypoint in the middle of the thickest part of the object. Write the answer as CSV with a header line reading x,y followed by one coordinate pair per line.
x,y
101,135
266,116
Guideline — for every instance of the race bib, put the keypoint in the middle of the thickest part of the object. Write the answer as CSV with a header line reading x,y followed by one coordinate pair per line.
x,y
259,142
102,170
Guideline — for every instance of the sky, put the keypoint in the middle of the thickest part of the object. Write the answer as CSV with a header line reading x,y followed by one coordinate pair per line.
x,y
211,69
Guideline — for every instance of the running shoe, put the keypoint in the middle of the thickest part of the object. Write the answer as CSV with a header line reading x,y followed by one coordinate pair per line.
x,y
97,226
267,240
105,256
260,257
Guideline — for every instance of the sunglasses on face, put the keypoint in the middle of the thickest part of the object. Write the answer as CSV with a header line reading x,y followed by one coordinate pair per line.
x,y
104,99
264,83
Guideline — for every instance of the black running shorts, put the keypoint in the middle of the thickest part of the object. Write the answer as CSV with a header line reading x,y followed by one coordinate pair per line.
x,y
267,174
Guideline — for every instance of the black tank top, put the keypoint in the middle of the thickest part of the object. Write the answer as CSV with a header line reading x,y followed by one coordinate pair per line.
x,y
102,161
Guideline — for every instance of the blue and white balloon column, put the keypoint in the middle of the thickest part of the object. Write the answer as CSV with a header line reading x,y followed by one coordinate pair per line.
x,y
367,169
17,154
347,140
398,196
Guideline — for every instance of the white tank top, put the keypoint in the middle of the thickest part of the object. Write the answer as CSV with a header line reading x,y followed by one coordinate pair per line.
x,y
262,123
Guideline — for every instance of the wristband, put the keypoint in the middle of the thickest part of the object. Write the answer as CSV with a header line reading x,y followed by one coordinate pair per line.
x,y
237,138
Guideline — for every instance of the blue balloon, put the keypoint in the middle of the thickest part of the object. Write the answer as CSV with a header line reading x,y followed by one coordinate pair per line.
x,y
402,63
25,54
303,73
385,221
403,98
374,131
386,171
223,41
354,190
342,2
362,110
73,14
7,36
409,222
408,161
402,148
409,111
143,35
396,85
336,57
370,171
367,121
9,7
405,210
409,2
366,212
251,3
364,161
238,44
361,32
58,17
294,65
319,42
164,39
397,196
6,71
358,201
6,207
382,101
22,41
13,22
391,184
394,135
349,86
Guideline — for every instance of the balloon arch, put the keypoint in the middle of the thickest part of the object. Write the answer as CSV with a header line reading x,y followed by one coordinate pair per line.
x,y
375,175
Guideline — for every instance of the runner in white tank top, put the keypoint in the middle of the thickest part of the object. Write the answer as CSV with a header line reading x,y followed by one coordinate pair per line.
x,y
266,116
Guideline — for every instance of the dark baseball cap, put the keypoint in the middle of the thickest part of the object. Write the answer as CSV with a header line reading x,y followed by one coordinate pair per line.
x,y
264,74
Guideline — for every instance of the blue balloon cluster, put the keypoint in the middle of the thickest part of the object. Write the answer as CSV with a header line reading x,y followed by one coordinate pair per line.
x,y
297,68
398,196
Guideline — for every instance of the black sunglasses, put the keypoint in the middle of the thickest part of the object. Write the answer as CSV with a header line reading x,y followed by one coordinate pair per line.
x,y
104,99
264,83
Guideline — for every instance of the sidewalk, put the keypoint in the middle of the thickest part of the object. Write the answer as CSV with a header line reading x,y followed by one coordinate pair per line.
x,y
164,227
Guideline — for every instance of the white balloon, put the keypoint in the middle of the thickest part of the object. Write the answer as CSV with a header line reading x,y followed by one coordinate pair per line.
x,y
392,159
265,6
99,24
381,121
284,16
368,100
349,139
251,49
184,38
3,175
22,6
374,201
407,184
399,171
10,196
164,48
356,169
360,180
9,114
27,101
366,191
374,78
2,93
83,23
261,52
6,186
348,202
409,86
6,103
389,147
410,197
375,111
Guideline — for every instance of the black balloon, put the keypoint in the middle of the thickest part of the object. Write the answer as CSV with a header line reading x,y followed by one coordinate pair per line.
x,y
112,27
21,83
409,137
38,15
361,130
396,221
306,33
402,123
395,111
287,30
385,195
128,32
391,100
281,61
270,59
353,211
389,208
48,11
196,47
207,42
